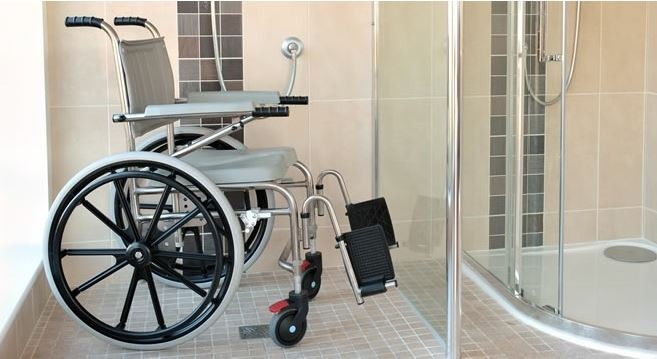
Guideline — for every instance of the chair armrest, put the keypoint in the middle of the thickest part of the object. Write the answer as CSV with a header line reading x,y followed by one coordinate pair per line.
x,y
189,110
257,97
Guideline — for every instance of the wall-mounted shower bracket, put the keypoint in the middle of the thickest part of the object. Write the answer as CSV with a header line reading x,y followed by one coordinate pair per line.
x,y
290,45
550,58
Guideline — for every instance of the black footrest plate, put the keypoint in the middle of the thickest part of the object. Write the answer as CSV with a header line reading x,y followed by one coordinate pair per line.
x,y
370,257
370,213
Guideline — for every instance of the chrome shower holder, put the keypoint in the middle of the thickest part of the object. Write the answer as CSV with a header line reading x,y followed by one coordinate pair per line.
x,y
290,45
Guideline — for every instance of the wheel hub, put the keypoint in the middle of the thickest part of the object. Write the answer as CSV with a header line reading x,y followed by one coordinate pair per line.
x,y
138,254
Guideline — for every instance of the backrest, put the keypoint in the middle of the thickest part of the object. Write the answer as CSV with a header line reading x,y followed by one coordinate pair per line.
x,y
148,78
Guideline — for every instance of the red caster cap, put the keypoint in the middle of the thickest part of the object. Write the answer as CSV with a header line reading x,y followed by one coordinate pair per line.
x,y
278,306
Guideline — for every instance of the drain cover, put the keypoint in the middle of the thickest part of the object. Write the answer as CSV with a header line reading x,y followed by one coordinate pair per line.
x,y
630,254
254,331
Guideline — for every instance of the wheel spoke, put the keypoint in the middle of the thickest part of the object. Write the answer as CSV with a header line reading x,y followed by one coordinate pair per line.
x,y
126,208
188,217
200,291
99,277
186,255
108,222
158,213
116,252
156,302
128,299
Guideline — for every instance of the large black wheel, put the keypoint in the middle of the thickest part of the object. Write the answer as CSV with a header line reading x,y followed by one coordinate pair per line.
x,y
254,241
283,332
109,287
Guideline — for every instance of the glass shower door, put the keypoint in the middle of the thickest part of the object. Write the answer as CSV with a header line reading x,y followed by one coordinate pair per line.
x,y
511,145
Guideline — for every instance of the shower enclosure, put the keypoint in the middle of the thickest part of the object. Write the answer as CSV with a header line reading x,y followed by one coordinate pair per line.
x,y
558,157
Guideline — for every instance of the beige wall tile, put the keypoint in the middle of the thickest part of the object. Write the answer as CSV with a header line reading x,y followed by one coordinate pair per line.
x,y
265,26
580,226
619,223
474,233
582,148
621,150
651,47
404,155
622,48
586,78
340,50
76,57
439,49
69,151
438,151
341,139
475,156
552,157
476,48
650,224
404,51
438,243
550,228
650,162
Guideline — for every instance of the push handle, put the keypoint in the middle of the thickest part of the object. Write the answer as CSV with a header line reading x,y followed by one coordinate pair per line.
x,y
274,111
130,20
80,21
293,100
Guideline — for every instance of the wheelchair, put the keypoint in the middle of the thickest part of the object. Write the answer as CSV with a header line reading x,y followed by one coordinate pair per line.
x,y
184,212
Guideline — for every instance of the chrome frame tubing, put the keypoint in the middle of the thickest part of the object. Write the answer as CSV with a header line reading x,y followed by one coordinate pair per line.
x,y
519,148
341,182
123,95
308,206
562,162
453,195
308,241
293,245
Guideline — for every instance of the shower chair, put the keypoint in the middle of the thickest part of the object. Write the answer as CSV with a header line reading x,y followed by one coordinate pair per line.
x,y
175,224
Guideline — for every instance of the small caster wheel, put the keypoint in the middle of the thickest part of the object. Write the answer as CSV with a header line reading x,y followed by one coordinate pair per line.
x,y
281,330
311,282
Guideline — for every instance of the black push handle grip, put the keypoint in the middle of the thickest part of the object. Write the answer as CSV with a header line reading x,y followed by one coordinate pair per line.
x,y
80,21
274,111
293,100
130,20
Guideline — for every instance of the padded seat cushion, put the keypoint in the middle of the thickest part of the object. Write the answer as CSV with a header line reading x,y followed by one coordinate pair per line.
x,y
236,166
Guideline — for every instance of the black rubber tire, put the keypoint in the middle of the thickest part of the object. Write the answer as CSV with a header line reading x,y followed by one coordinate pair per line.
x,y
311,282
279,329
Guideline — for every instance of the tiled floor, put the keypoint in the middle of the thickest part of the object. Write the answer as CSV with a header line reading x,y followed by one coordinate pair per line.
x,y
385,326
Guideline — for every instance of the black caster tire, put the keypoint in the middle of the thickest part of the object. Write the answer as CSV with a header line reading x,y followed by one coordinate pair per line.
x,y
311,282
281,331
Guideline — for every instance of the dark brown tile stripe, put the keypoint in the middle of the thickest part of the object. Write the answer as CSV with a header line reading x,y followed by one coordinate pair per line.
x,y
534,136
196,54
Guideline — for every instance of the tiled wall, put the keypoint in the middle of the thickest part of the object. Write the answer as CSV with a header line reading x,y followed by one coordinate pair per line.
x,y
335,71
534,140
605,125
83,94
477,125
196,62
411,63
650,138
